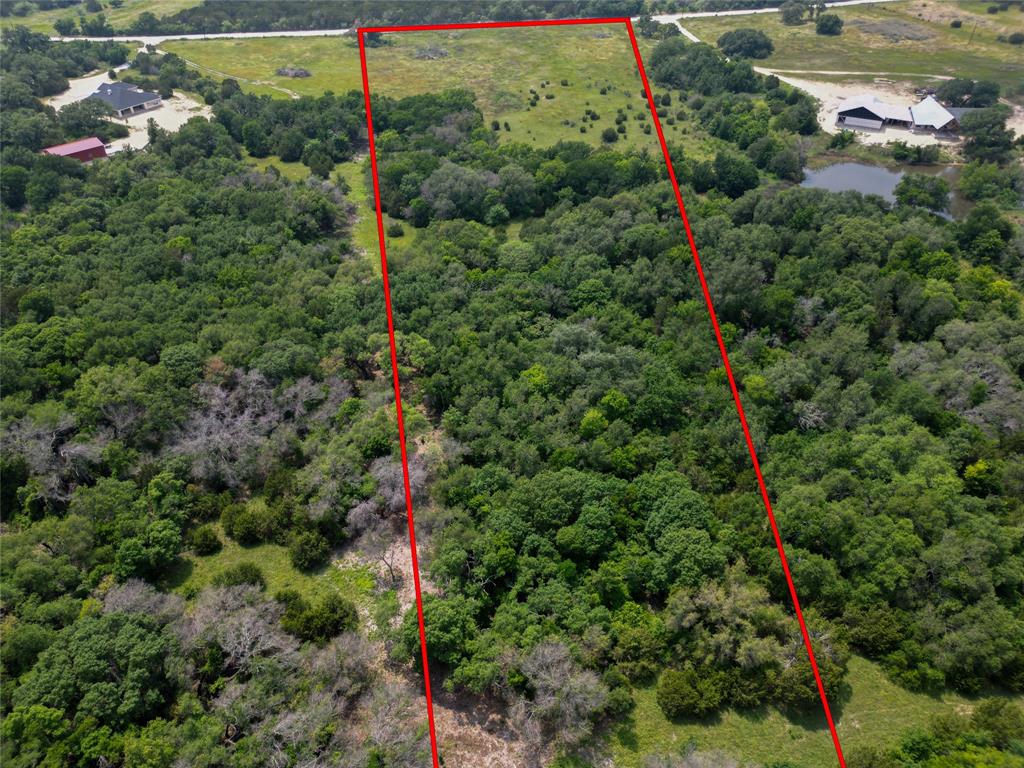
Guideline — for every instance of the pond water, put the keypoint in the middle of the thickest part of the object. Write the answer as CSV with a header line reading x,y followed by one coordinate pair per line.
x,y
876,180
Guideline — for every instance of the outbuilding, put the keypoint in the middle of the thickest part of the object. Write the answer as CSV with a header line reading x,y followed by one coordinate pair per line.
x,y
929,115
83,149
126,99
870,112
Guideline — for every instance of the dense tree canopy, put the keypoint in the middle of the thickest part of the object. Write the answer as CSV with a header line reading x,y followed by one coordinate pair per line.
x,y
194,356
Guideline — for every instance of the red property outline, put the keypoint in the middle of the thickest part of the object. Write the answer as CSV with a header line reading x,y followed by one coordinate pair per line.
x,y
707,300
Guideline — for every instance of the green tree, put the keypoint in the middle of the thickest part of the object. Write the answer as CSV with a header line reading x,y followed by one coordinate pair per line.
x,y
828,24
792,12
13,182
746,43
205,540
116,668
988,138
918,189
308,550
65,27
734,175
450,627
242,573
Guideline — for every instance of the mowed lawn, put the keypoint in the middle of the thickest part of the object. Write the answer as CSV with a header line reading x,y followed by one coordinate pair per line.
x,y
499,65
42,21
912,37
877,714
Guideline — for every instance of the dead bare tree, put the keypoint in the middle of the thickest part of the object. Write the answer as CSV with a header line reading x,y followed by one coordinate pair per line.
x,y
567,698
57,461
224,437
243,624
395,726
344,667
136,596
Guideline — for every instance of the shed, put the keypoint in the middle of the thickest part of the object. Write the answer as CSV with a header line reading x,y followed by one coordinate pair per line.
x,y
83,149
930,114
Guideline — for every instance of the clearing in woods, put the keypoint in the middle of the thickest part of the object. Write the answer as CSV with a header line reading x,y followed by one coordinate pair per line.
x,y
500,66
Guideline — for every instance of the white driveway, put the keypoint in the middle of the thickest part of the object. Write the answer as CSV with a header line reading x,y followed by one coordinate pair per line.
x,y
170,115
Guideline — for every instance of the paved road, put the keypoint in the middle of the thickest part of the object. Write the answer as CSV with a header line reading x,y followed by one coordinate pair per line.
x,y
672,18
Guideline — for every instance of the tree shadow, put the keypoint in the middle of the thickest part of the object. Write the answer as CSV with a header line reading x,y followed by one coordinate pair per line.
x,y
179,573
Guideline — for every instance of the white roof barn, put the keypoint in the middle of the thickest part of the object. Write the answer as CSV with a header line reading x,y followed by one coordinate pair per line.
x,y
930,114
870,108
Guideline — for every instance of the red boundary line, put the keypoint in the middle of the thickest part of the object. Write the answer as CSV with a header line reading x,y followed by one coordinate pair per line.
x,y
707,300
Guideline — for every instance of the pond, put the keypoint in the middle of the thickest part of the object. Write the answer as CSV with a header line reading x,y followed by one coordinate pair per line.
x,y
876,180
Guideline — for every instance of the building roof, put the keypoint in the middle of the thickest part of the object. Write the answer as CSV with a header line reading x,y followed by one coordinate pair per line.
x,y
74,147
123,95
929,113
860,122
877,107
959,112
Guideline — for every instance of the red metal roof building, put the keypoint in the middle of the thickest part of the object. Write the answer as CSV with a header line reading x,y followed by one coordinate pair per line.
x,y
83,149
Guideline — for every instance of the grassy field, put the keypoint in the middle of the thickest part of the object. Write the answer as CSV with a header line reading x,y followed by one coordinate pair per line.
x,y
273,560
42,21
499,66
877,713
912,38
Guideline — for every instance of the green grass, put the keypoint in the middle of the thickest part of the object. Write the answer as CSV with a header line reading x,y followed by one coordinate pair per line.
x,y
273,560
292,171
499,66
364,228
877,713
945,51
42,21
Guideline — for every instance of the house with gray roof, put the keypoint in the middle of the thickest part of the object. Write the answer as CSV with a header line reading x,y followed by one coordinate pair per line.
x,y
126,99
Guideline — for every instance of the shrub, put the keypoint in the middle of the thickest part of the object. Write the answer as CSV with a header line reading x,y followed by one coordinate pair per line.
x,y
828,24
317,623
250,523
609,135
842,139
309,549
243,573
205,540
689,693
956,23
395,228
1017,38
